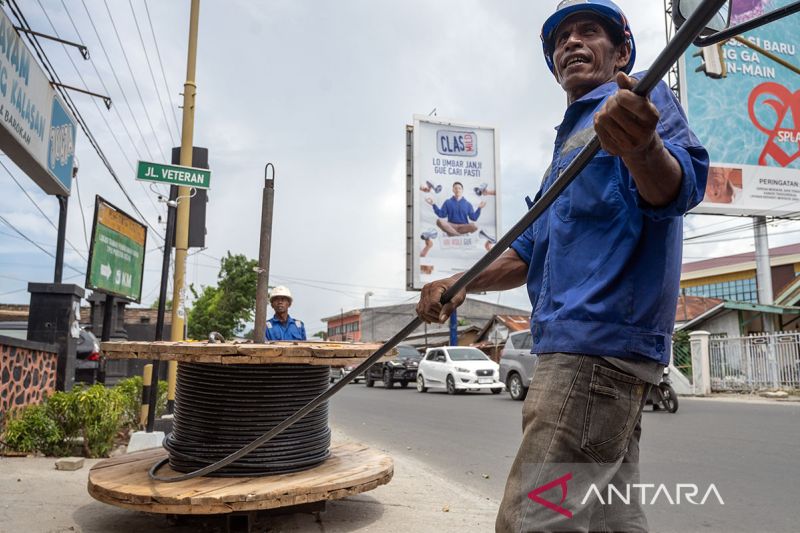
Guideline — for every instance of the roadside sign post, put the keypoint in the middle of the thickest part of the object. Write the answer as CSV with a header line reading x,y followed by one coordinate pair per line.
x,y
182,176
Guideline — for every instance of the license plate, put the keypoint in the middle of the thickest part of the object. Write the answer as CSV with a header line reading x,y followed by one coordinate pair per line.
x,y
484,380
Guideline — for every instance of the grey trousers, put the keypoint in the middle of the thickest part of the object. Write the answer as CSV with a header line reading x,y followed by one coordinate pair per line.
x,y
581,427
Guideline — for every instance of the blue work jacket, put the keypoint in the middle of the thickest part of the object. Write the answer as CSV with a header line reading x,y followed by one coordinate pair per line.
x,y
293,330
457,211
604,266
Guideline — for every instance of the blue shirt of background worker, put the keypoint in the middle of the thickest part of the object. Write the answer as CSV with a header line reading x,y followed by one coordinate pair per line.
x,y
291,330
604,266
282,327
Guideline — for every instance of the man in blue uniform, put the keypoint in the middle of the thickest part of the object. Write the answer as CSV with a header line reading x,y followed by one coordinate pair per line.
x,y
456,213
602,268
282,327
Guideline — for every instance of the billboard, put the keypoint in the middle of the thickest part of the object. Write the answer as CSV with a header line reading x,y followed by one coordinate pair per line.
x,y
36,130
453,197
747,114
116,253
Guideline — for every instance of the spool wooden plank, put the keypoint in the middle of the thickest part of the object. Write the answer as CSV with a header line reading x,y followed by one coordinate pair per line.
x,y
312,353
123,481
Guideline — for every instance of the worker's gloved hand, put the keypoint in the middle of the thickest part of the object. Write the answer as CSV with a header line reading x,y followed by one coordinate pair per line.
x,y
626,125
430,308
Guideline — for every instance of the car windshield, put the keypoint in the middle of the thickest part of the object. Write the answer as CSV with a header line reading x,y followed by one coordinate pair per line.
x,y
466,354
407,352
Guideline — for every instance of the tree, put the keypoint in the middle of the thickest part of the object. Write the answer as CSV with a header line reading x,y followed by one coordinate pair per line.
x,y
321,334
227,307
167,306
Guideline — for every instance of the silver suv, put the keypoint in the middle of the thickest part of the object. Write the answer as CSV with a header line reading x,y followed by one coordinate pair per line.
x,y
517,364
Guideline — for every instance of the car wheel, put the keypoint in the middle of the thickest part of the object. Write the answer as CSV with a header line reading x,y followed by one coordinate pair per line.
x,y
497,391
369,382
515,387
387,379
421,384
451,385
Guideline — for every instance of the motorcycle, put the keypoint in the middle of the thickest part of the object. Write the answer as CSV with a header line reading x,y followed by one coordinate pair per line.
x,y
662,396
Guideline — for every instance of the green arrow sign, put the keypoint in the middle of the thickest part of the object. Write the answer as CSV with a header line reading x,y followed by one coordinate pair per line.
x,y
116,256
174,175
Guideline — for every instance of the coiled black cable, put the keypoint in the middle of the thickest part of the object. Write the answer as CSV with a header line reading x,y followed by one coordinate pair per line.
x,y
222,408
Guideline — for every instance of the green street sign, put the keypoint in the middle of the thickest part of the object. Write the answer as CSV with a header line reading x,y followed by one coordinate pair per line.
x,y
174,175
116,253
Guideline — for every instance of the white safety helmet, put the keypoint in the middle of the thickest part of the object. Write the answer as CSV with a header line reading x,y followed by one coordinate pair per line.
x,y
280,290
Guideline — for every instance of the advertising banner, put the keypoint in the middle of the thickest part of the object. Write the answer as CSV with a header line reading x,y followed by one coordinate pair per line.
x,y
454,197
36,130
747,114
116,253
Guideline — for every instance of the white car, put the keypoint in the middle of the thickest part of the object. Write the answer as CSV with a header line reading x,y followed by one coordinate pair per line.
x,y
458,369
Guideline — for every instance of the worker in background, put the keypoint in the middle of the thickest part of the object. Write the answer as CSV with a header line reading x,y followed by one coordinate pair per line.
x,y
282,327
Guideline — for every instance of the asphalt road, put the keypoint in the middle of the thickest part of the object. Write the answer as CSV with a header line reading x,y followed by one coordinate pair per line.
x,y
749,451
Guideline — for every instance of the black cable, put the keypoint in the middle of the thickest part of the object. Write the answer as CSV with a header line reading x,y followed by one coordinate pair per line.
x,y
45,63
12,226
152,75
135,84
43,213
163,74
220,408
96,105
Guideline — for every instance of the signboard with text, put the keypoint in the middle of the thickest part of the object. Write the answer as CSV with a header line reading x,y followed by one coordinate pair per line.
x,y
749,120
453,196
36,130
116,253
199,178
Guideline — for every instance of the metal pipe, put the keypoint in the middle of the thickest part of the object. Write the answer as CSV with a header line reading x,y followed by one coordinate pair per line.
x,y
264,250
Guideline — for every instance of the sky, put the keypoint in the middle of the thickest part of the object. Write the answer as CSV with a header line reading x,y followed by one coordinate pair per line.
x,y
323,91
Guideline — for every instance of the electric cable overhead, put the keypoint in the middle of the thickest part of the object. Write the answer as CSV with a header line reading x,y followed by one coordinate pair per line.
x,y
173,107
47,65
116,78
36,205
152,75
133,78
13,227
97,106
103,83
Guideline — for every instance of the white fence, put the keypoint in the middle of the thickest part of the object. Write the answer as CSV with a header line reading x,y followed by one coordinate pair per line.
x,y
765,361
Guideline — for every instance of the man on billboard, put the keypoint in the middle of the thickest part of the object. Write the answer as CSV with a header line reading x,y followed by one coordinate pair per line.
x,y
456,213
602,268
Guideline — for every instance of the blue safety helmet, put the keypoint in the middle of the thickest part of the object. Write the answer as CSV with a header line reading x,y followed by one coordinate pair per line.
x,y
604,8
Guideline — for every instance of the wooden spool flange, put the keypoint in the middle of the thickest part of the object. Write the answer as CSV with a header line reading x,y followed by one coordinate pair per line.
x,y
293,353
123,481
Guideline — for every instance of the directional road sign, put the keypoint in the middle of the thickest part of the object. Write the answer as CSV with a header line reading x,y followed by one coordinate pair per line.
x,y
116,255
174,175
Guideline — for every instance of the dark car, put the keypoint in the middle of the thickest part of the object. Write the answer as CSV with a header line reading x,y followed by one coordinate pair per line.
x,y
402,369
87,354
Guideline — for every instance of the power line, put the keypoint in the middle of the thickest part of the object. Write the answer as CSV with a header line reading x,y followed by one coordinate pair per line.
x,y
12,226
116,78
133,78
45,62
103,83
152,75
163,74
96,105
40,210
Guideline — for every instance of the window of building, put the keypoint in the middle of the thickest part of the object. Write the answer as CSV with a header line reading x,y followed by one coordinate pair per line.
x,y
741,290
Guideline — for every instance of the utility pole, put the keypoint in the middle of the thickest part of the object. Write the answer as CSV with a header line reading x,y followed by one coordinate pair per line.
x,y
265,245
184,193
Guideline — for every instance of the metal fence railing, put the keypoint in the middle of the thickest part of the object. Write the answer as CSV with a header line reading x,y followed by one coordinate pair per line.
x,y
682,359
763,361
